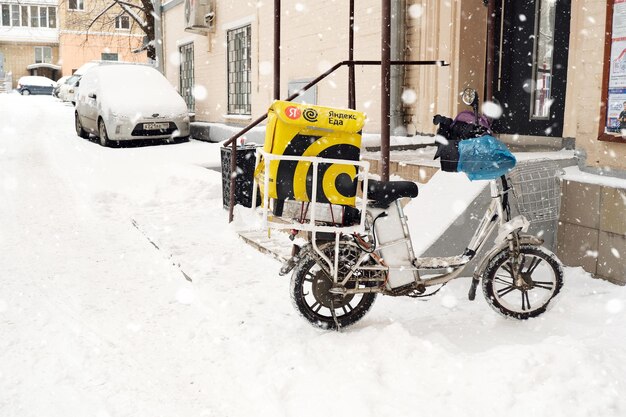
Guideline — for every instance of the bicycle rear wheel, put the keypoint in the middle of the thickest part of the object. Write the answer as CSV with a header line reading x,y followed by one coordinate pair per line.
x,y
311,296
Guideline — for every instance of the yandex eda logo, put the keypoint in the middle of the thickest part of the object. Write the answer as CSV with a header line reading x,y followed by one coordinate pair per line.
x,y
293,112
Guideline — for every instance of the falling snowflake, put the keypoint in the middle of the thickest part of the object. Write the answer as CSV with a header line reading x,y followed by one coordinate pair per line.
x,y
185,295
409,96
492,110
199,92
266,68
614,306
449,301
174,59
416,11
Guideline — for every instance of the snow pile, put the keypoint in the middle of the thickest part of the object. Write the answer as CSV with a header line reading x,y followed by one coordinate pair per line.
x,y
97,319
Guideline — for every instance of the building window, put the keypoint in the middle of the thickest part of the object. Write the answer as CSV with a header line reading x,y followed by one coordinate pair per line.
x,y
34,16
43,55
52,17
6,15
43,17
239,63
122,22
187,77
76,5
25,15
15,15
107,56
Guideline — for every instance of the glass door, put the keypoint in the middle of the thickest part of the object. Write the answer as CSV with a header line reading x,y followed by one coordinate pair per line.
x,y
532,41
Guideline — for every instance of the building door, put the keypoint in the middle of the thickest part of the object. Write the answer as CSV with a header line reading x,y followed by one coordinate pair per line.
x,y
1,65
532,41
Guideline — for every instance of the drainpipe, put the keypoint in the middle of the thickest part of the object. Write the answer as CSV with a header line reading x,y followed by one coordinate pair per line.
x,y
398,43
385,89
491,48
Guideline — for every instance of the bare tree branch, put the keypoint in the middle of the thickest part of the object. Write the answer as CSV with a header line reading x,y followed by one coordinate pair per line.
x,y
98,17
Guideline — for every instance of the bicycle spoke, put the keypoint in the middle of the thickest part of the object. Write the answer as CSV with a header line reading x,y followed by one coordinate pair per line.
x,y
316,307
546,285
504,291
507,268
533,265
525,301
504,280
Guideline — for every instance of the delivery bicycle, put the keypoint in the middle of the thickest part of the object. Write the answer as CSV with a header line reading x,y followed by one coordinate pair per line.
x,y
353,254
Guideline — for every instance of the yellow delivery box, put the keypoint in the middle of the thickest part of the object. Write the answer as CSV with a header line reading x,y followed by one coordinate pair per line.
x,y
314,131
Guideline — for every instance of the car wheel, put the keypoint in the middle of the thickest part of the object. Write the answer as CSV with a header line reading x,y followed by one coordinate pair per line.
x,y
102,132
25,92
79,127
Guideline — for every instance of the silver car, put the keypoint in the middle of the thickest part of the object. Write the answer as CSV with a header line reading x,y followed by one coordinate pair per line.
x,y
129,102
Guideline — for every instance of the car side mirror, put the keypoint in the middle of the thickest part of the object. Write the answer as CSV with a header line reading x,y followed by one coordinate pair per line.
x,y
92,95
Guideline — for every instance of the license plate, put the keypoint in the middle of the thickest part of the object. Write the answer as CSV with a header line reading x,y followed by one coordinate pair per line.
x,y
155,126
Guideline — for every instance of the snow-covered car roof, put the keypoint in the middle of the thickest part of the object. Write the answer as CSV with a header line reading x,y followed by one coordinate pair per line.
x,y
139,87
37,80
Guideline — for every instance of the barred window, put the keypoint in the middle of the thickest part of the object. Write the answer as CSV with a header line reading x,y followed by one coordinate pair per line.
x,y
187,76
239,64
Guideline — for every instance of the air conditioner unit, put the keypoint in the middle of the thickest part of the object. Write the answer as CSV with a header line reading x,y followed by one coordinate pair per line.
x,y
200,16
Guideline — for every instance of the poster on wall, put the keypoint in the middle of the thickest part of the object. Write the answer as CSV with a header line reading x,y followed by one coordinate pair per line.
x,y
616,98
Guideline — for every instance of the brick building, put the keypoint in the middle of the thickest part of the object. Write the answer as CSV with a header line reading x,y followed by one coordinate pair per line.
x,y
50,37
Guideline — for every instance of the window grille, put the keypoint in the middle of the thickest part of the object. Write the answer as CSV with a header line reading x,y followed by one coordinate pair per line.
x,y
187,78
239,64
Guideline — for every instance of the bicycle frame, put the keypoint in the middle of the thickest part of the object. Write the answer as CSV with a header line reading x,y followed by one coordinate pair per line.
x,y
494,217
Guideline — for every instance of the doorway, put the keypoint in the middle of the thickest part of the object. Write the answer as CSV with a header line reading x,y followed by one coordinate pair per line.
x,y
531,52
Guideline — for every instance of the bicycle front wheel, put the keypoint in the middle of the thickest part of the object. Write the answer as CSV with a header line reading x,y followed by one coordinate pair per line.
x,y
542,279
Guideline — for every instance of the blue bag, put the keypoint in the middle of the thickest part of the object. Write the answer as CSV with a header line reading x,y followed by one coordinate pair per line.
x,y
484,158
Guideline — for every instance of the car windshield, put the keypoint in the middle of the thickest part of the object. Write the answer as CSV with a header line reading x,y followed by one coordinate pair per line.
x,y
72,80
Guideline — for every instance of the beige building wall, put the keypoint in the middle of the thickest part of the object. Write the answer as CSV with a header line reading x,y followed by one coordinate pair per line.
x,y
85,35
315,37
19,55
587,67
76,49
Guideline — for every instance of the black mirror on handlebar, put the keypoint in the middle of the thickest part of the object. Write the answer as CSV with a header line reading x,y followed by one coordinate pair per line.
x,y
470,98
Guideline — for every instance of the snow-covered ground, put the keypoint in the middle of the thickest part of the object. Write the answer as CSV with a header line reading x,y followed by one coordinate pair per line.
x,y
96,321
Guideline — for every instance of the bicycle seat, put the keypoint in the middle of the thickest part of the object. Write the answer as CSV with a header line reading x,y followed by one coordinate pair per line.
x,y
382,193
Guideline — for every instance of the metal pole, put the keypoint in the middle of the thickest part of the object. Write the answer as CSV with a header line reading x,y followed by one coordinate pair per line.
x,y
158,35
276,49
491,49
385,89
351,74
